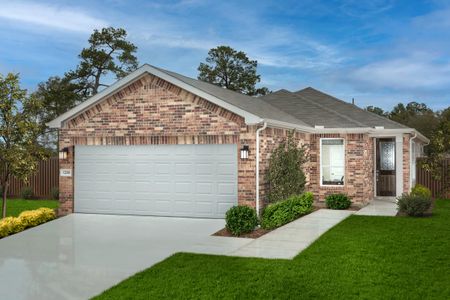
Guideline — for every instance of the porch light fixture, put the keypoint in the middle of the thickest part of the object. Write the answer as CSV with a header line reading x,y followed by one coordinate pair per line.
x,y
63,153
244,152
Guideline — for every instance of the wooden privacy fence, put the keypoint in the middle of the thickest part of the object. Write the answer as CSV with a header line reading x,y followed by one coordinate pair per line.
x,y
439,188
42,182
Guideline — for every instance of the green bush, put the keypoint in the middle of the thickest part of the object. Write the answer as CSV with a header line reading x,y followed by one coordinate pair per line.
x,y
27,193
338,201
420,190
55,193
241,219
285,172
413,205
26,219
283,212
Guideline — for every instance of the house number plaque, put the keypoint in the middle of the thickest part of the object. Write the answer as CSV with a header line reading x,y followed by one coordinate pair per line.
x,y
65,172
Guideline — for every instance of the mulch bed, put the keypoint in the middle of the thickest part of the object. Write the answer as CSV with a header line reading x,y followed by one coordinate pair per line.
x,y
251,235
257,232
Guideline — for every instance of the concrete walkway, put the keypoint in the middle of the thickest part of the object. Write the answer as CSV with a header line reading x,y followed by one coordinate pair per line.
x,y
287,241
381,206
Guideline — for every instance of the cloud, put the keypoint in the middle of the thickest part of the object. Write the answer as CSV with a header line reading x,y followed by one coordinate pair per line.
x,y
176,40
299,53
404,74
364,8
52,16
439,19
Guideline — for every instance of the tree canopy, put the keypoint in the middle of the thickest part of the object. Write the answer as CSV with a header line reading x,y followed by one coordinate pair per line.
x,y
19,130
231,69
109,52
413,114
377,110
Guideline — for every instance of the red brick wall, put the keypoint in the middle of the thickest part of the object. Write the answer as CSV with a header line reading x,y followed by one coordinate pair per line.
x,y
359,162
152,111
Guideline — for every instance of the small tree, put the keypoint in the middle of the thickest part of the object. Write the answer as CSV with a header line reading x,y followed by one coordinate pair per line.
x,y
231,69
285,174
19,130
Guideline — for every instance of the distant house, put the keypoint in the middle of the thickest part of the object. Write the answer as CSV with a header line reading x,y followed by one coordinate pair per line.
x,y
159,143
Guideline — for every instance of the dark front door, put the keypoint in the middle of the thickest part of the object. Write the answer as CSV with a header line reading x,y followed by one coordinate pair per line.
x,y
386,167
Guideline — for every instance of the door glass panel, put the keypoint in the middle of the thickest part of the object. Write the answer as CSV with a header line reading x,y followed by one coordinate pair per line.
x,y
387,156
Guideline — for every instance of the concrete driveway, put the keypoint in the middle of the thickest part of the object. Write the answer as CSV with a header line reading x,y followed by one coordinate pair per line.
x,y
80,255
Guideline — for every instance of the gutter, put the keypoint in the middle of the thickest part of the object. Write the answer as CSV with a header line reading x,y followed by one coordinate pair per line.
x,y
257,165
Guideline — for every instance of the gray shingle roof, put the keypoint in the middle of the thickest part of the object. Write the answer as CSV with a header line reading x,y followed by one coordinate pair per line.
x,y
254,105
316,108
305,108
348,110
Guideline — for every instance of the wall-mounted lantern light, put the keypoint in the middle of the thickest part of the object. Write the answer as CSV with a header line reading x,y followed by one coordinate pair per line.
x,y
245,152
63,153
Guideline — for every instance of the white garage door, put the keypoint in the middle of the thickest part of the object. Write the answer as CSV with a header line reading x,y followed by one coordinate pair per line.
x,y
162,180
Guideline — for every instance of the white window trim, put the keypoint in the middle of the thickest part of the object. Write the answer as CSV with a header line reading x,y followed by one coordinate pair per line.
x,y
345,163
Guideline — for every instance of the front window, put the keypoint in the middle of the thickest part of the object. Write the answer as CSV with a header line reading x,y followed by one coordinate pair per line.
x,y
332,161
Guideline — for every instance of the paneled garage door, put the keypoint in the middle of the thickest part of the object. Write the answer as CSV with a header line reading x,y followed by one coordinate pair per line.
x,y
161,180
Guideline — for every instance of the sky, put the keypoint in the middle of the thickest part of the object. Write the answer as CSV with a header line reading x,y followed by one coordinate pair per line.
x,y
379,52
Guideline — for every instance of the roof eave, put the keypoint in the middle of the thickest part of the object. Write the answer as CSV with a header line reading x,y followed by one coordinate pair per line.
x,y
368,130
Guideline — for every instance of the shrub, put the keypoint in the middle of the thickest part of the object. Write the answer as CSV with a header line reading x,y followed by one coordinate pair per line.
x,y
55,193
241,219
283,212
413,205
338,201
26,219
26,193
11,225
285,173
4,231
420,190
35,217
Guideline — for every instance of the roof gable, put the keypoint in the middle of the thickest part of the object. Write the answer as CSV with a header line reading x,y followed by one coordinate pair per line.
x,y
252,109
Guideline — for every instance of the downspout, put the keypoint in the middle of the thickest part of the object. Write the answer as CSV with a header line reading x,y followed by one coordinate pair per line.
x,y
411,159
257,165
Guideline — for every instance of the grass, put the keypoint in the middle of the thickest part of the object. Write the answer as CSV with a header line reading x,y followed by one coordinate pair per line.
x,y
15,206
361,258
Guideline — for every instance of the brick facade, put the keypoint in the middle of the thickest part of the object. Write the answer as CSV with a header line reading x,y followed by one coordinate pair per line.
x,y
359,168
153,111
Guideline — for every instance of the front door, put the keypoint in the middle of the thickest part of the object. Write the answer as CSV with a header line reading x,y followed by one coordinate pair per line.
x,y
386,165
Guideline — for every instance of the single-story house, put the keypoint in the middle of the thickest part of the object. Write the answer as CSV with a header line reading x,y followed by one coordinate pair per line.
x,y
160,143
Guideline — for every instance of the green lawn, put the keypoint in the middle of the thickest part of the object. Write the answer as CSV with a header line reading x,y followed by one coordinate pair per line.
x,y
15,206
362,257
